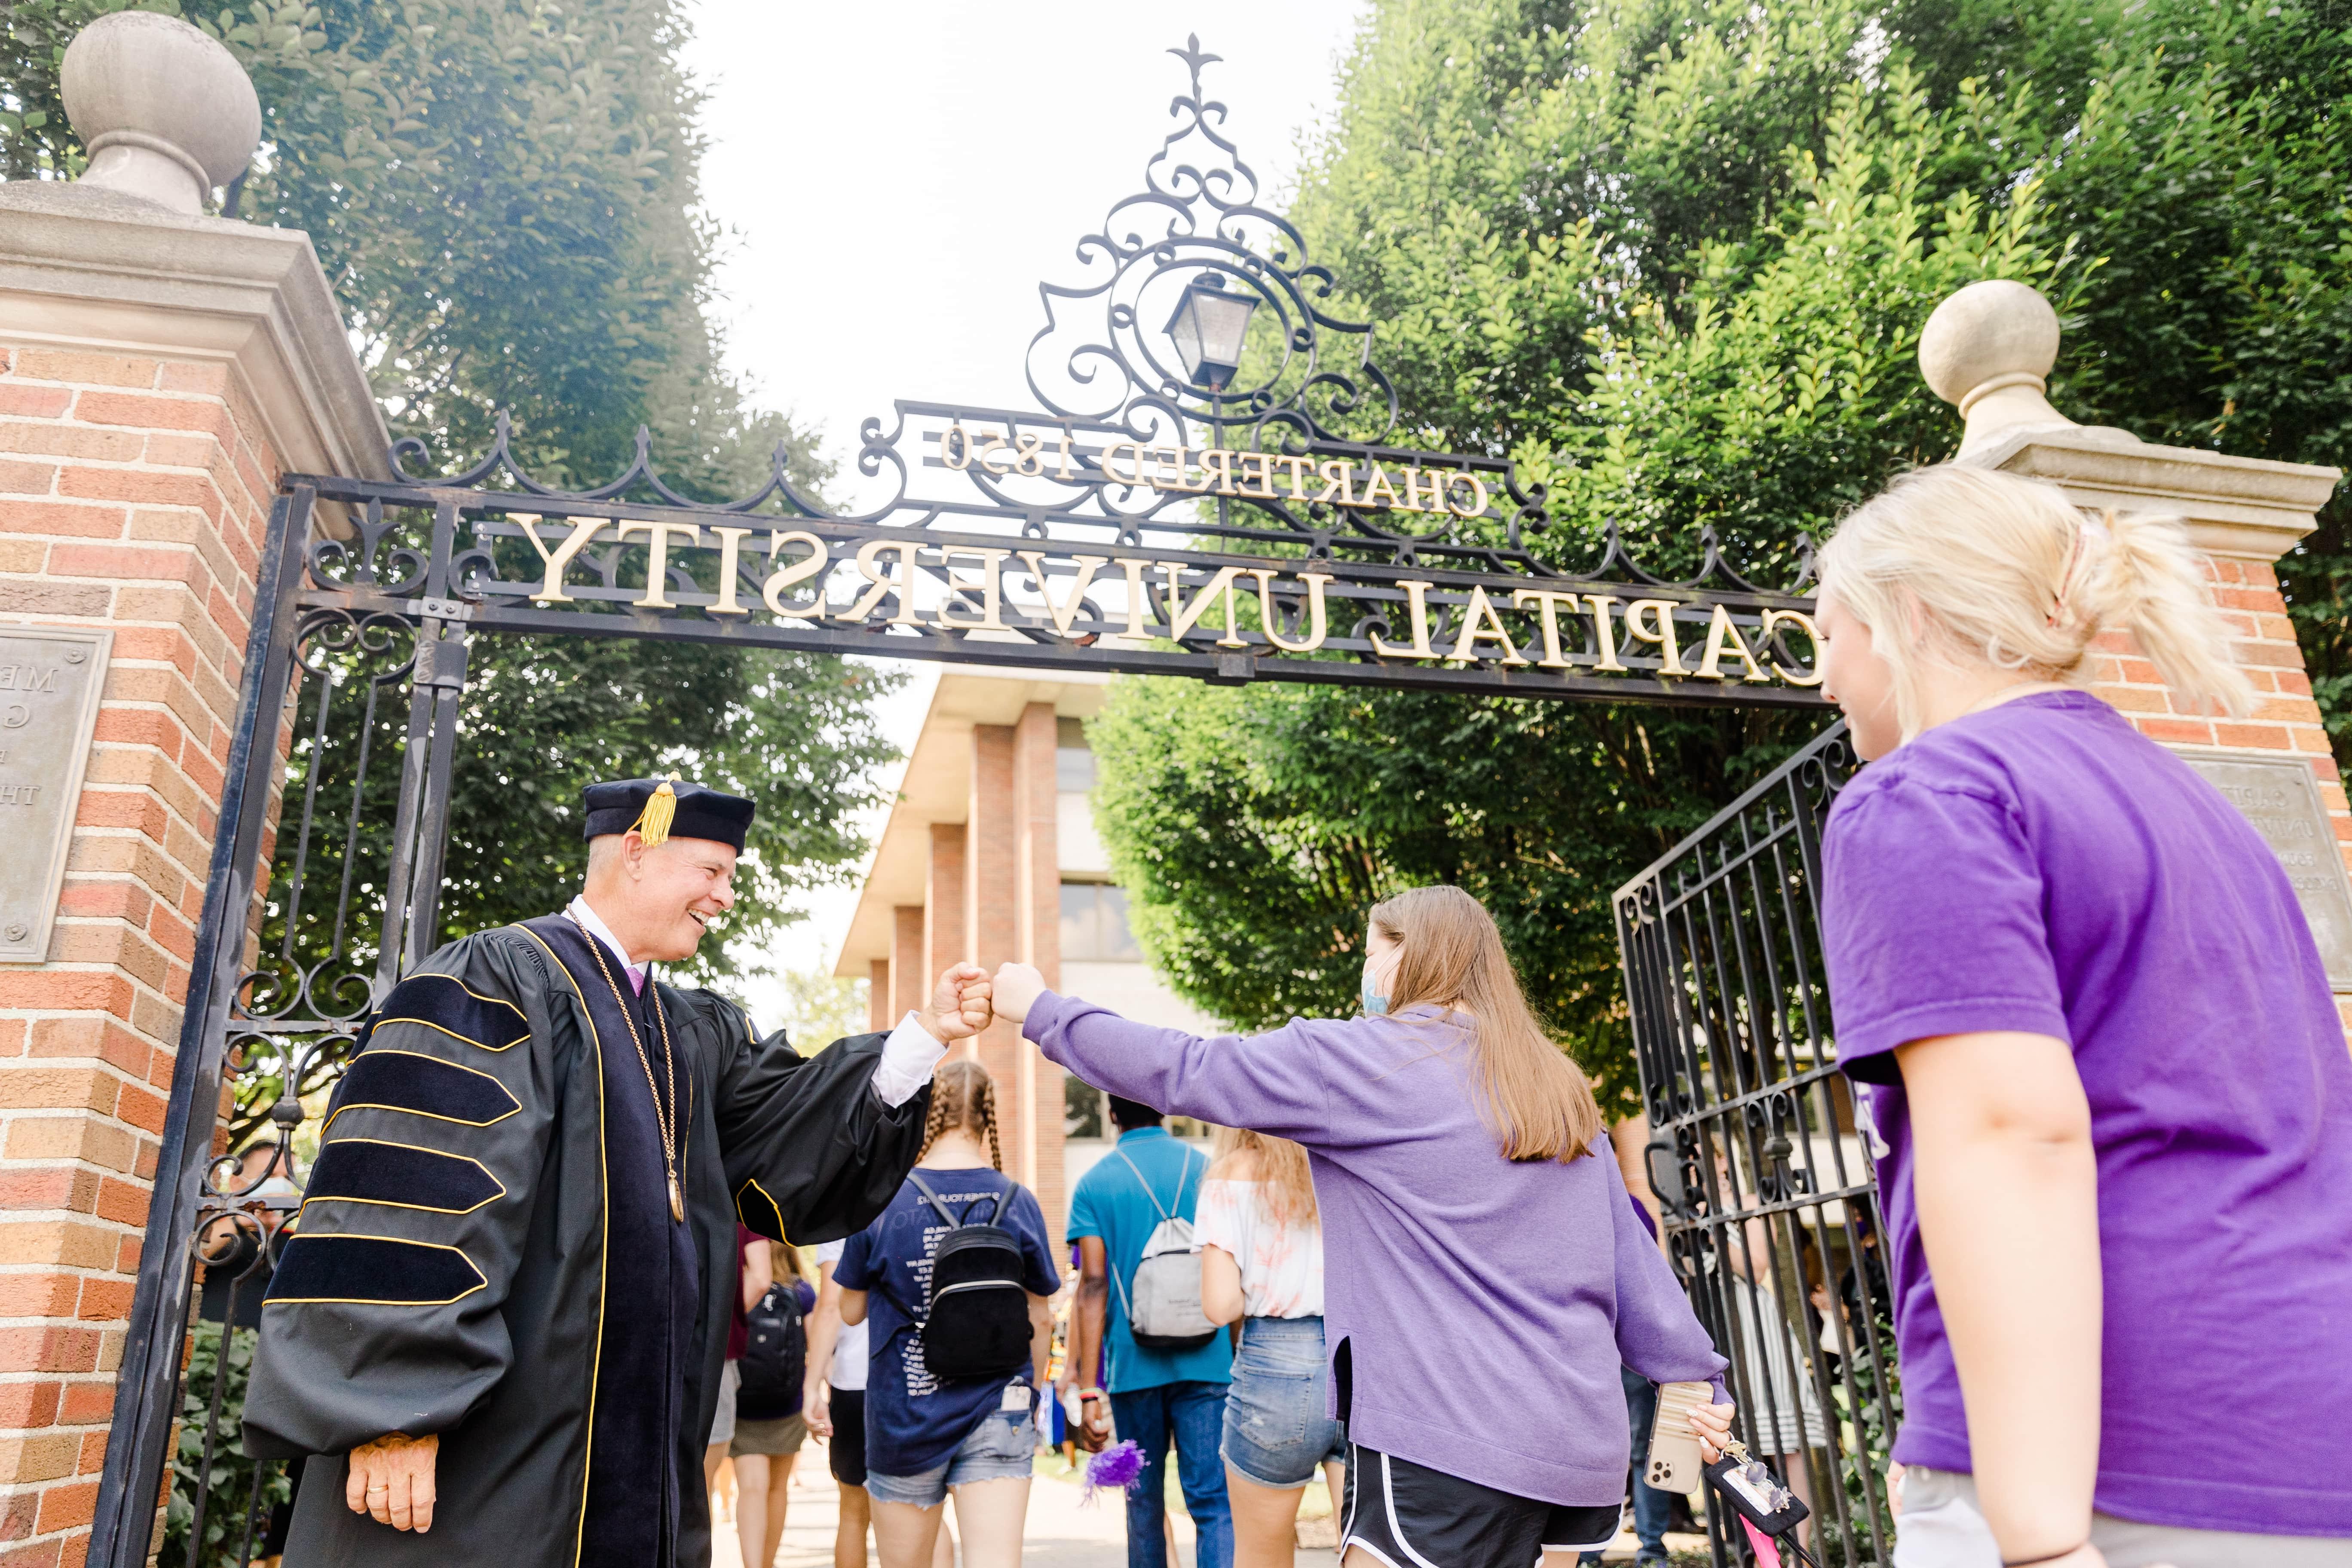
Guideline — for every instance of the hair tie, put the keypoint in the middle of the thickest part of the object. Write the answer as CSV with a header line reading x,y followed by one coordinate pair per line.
x,y
2075,552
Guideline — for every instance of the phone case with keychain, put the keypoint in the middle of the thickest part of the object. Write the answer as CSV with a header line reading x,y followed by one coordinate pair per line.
x,y
1754,1492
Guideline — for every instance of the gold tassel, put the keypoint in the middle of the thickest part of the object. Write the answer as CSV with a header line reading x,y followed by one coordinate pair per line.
x,y
661,809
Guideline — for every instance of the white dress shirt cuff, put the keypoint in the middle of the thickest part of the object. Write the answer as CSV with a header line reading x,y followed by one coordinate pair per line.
x,y
908,1058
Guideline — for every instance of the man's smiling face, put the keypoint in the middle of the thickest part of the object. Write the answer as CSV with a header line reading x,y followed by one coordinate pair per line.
x,y
660,901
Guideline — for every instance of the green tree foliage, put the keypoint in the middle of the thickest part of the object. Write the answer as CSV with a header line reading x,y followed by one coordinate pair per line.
x,y
504,197
1673,256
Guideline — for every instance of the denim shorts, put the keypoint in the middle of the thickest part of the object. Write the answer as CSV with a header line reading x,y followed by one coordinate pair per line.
x,y
1002,1447
1275,1432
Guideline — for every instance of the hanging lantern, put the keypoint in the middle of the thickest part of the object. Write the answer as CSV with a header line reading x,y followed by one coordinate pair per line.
x,y
1209,326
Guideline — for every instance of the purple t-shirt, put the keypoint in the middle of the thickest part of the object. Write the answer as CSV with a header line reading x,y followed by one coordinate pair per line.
x,y
2042,867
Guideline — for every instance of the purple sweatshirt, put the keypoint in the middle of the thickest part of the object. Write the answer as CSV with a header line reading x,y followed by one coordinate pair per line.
x,y
1485,1305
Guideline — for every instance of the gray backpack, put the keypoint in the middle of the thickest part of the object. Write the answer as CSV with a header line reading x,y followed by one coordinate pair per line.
x,y
1164,1314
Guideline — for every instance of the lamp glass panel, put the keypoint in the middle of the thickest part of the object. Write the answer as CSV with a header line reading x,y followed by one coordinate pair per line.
x,y
1224,322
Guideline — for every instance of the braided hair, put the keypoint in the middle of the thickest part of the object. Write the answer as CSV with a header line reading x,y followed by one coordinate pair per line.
x,y
963,1097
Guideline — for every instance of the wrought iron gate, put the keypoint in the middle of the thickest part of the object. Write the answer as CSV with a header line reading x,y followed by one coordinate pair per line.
x,y
1756,1152
1154,514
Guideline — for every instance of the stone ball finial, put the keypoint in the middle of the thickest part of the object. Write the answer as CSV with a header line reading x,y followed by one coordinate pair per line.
x,y
1988,350
165,113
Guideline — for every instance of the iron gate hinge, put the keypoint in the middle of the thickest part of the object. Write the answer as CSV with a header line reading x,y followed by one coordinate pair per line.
x,y
441,663
441,609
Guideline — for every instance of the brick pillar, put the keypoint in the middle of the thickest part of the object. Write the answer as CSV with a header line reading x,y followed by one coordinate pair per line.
x,y
992,930
156,374
1037,914
908,977
944,912
878,1017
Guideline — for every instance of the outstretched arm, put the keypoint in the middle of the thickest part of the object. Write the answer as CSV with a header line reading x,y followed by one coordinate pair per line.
x,y
817,1146
1269,1083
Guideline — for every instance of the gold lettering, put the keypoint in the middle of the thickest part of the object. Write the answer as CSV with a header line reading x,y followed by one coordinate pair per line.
x,y
1138,605
1262,476
1298,467
550,590
901,582
1414,592
1316,624
1066,613
1548,606
1477,487
1134,450
1661,634
657,593
990,587
1219,461
1604,634
772,590
955,448
990,443
730,549
1723,637
1377,484
1183,616
1805,624
1337,474
1163,477
1480,622
1412,486
1066,453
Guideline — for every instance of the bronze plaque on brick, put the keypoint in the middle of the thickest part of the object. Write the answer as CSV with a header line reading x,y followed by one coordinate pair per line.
x,y
50,679
2278,797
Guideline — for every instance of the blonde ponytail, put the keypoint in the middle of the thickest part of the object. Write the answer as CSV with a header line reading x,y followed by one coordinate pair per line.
x,y
1951,566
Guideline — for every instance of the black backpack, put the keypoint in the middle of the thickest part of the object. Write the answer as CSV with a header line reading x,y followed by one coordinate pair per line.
x,y
775,1360
976,1322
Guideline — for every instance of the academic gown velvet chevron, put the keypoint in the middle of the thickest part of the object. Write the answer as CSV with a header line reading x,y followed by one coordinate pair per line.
x,y
485,1252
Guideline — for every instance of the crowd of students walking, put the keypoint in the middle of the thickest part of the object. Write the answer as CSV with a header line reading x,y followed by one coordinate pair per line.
x,y
2095,1054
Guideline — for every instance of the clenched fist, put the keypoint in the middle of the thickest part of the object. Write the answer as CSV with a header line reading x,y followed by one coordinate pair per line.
x,y
1015,990
958,1008
391,1481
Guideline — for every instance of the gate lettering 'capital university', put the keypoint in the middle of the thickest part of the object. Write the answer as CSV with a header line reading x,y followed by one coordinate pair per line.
x,y
171,385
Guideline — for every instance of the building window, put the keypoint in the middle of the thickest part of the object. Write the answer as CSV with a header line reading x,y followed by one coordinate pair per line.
x,y
1085,1109
1074,761
1094,924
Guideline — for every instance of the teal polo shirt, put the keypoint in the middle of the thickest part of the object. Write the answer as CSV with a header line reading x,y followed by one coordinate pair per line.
x,y
1111,1203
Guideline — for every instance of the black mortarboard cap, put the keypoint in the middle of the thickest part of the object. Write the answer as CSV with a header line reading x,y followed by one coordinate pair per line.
x,y
665,808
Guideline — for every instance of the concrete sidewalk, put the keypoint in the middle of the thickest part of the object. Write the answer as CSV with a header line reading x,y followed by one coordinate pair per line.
x,y
1064,1531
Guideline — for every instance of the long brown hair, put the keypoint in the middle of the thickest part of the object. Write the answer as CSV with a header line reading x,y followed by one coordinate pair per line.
x,y
1283,1178
963,1096
1537,1102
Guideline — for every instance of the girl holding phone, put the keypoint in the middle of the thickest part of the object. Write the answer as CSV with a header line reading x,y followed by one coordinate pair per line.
x,y
1482,1254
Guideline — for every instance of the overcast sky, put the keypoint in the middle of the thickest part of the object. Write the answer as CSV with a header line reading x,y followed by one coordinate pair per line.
x,y
894,181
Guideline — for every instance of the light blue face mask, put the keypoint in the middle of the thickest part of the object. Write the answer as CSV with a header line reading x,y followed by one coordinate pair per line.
x,y
1373,1001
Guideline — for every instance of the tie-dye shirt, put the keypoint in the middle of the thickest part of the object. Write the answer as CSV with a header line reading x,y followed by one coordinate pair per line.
x,y
1282,1265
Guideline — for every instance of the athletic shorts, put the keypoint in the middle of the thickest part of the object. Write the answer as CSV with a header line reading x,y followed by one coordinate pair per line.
x,y
1407,1514
845,1453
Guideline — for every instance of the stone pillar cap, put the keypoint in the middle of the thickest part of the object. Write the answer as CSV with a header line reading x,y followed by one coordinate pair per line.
x,y
1988,350
165,113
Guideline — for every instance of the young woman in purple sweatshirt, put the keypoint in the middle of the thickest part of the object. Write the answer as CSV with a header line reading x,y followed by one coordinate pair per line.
x,y
1484,1271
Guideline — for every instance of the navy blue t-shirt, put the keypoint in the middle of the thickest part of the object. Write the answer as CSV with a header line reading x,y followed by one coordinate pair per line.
x,y
915,1422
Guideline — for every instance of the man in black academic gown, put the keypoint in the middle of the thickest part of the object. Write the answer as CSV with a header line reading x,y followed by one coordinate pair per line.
x,y
504,1311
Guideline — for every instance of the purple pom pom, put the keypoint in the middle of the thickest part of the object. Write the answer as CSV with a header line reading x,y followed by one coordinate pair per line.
x,y
1113,1470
